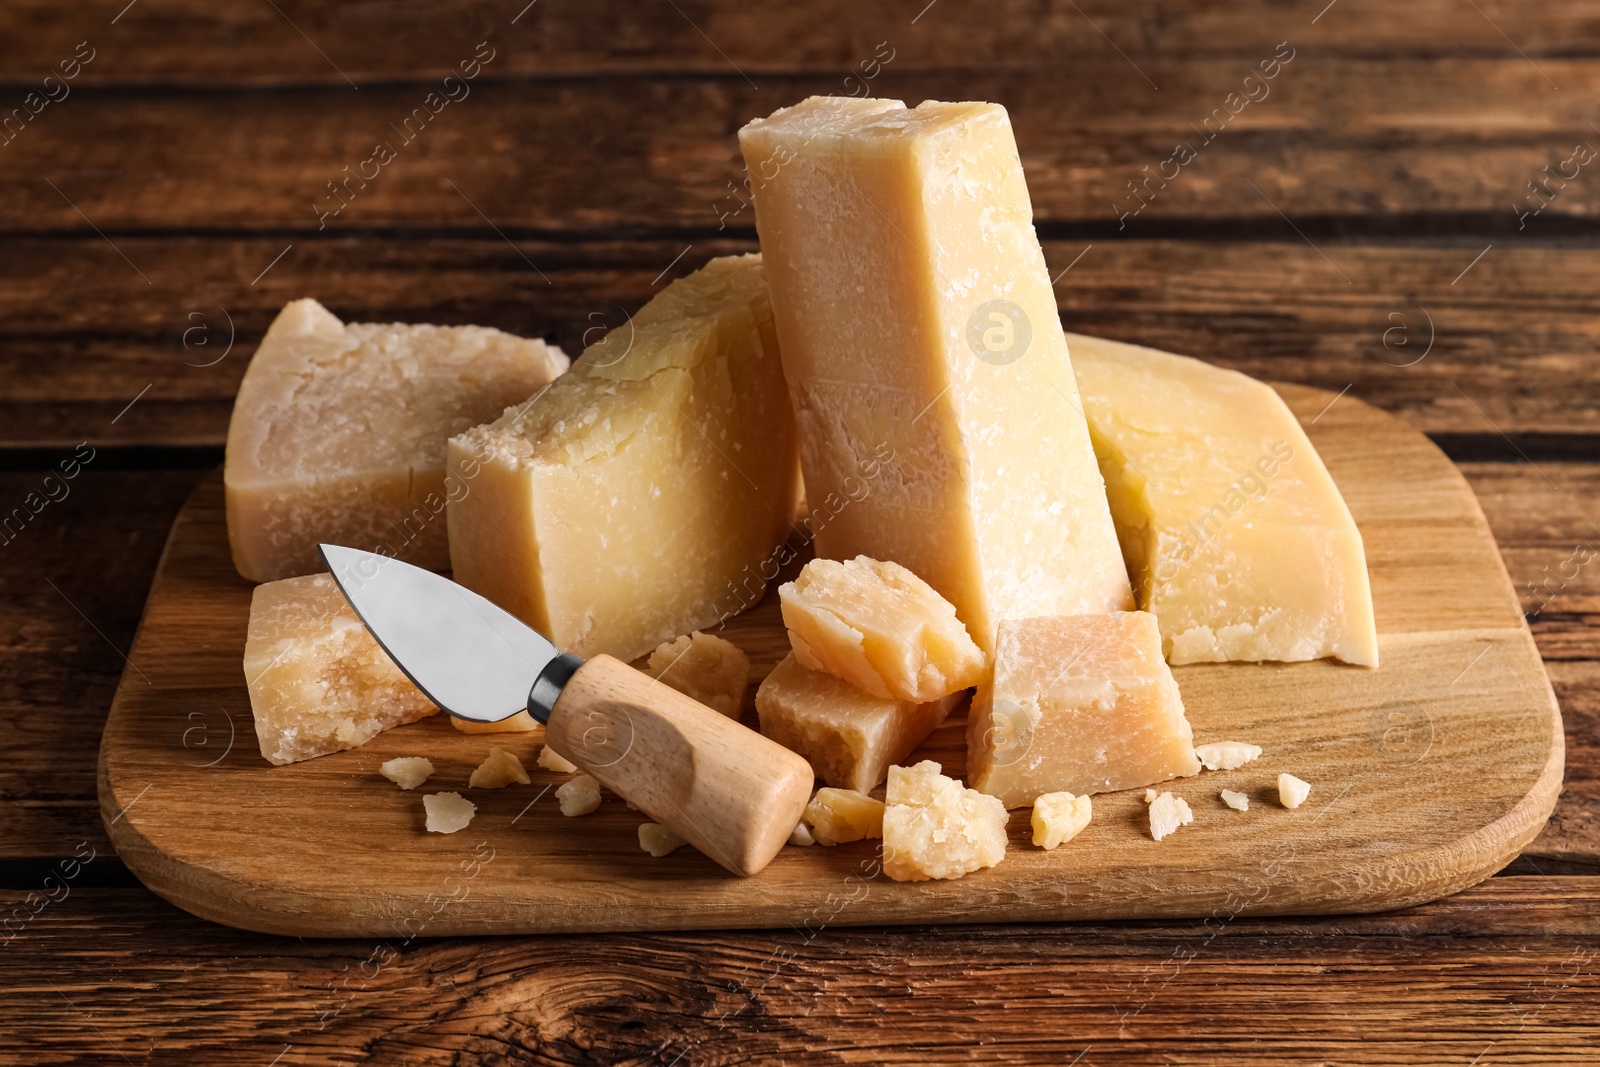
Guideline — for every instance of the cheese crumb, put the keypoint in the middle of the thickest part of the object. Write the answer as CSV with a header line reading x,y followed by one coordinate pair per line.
x,y
498,770
1226,755
520,723
1292,792
407,772
448,812
1167,813
657,839
706,668
1149,795
1236,801
802,835
837,816
551,760
1058,818
579,796
934,827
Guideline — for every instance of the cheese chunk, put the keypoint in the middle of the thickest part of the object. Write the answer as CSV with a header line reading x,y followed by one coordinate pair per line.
x,y
658,840
448,812
1292,792
1058,818
580,796
801,835
1226,755
498,770
921,344
338,434
407,772
880,628
551,760
837,816
933,827
850,738
1236,800
1167,813
520,723
1236,537
1081,704
640,496
318,681
705,667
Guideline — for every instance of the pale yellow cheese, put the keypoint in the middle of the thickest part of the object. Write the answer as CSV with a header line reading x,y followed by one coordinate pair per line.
x,y
1226,755
1236,800
837,816
1235,535
1292,791
703,666
580,796
318,682
936,405
801,835
551,760
407,772
1058,818
1167,814
520,723
447,812
338,434
849,737
1081,704
628,502
879,627
658,840
933,827
499,769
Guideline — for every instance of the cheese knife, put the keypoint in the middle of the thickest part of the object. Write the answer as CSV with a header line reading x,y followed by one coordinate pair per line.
x,y
729,791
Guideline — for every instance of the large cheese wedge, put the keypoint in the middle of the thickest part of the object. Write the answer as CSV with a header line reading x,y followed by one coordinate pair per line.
x,y
620,507
1236,537
918,323
338,434
1078,704
318,681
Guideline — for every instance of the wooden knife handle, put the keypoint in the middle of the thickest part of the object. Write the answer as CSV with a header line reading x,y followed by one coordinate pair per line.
x,y
730,792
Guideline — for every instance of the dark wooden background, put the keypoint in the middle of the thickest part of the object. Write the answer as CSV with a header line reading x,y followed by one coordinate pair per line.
x,y
1367,225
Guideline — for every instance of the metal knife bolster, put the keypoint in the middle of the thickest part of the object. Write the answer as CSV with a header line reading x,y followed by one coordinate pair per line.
x,y
547,687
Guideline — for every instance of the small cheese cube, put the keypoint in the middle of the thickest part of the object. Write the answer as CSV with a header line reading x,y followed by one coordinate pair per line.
x,y
407,772
706,668
499,769
1236,800
579,796
318,681
551,760
879,627
933,827
801,835
520,723
448,812
1226,755
1292,792
338,434
637,497
657,839
1058,818
1167,813
840,815
849,737
1082,704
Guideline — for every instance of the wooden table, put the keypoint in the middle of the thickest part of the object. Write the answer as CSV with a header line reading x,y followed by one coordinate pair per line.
x,y
1360,220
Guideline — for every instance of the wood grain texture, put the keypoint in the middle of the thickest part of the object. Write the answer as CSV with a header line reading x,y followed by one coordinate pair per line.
x,y
1510,968
1390,825
1509,347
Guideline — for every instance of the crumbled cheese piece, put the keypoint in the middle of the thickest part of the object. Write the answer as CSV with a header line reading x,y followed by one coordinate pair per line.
x,y
802,835
551,760
520,723
499,769
407,772
1058,818
1149,795
579,796
706,668
934,827
1226,755
1236,801
1167,813
448,812
1292,792
657,839
840,815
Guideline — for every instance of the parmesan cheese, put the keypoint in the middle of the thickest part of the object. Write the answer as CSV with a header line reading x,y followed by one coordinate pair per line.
x,y
448,812
706,668
580,796
1236,800
657,839
499,769
933,827
1292,792
407,772
1167,813
1226,755
1058,818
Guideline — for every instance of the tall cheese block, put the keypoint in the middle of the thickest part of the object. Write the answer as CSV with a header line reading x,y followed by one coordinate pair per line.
x,y
917,322
627,503
1236,536
338,434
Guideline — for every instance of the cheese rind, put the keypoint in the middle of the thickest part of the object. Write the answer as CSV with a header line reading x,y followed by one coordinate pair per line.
x,y
1235,535
933,827
879,627
921,344
1081,704
638,497
705,667
849,737
338,434
318,681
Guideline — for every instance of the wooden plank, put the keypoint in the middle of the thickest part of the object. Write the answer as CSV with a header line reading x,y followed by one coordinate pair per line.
x,y
82,334
1358,140
193,42
1510,968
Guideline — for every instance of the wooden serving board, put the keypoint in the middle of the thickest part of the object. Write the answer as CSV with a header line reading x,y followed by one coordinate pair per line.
x,y
1428,774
